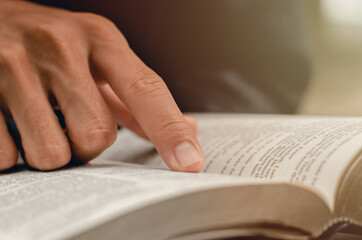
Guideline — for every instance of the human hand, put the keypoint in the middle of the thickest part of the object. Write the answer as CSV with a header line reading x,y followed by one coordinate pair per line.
x,y
81,63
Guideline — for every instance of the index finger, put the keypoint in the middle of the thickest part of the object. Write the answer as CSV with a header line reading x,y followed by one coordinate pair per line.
x,y
151,103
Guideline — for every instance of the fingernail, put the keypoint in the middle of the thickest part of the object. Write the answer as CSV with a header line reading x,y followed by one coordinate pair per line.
x,y
187,155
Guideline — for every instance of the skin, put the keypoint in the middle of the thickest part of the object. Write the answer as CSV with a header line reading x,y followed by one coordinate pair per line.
x,y
82,64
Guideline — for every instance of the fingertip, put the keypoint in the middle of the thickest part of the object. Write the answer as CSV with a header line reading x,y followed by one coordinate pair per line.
x,y
189,157
49,156
194,168
8,152
7,161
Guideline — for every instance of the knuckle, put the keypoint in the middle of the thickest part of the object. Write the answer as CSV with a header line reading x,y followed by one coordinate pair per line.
x,y
11,53
103,29
51,29
146,82
96,135
52,156
57,34
97,22
172,124
13,58
96,18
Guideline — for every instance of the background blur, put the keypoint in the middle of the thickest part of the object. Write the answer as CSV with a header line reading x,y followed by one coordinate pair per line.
x,y
335,42
247,56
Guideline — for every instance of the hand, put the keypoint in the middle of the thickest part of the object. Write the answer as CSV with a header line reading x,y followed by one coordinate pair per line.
x,y
81,63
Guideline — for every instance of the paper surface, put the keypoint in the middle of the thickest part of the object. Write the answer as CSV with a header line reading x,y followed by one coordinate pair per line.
x,y
312,151
59,204
239,149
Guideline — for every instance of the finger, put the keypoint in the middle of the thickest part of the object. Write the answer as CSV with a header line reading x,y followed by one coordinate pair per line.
x,y
125,118
8,151
62,60
90,125
149,100
121,113
44,142
192,122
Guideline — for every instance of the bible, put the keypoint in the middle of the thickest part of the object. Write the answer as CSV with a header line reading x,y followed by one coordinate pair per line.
x,y
276,176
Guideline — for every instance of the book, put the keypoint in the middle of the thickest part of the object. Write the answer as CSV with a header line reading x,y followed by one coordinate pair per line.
x,y
276,176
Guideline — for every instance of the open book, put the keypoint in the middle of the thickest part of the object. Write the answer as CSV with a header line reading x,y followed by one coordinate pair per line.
x,y
286,177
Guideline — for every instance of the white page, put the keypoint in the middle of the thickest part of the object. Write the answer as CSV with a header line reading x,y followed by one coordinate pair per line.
x,y
55,205
313,151
59,204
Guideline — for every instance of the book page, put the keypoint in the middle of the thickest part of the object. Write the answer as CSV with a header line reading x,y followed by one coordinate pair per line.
x,y
312,151
59,204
